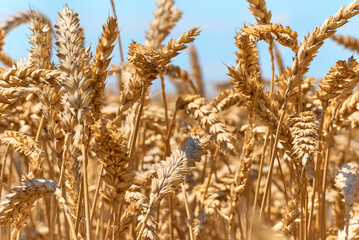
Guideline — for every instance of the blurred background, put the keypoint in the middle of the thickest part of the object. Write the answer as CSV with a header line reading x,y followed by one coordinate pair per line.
x,y
219,21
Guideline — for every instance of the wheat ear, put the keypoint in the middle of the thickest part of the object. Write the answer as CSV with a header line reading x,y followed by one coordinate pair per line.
x,y
27,146
16,207
283,35
24,17
194,106
348,42
77,81
292,210
259,10
340,81
101,62
22,74
171,172
147,64
313,41
40,52
227,99
304,131
166,16
112,152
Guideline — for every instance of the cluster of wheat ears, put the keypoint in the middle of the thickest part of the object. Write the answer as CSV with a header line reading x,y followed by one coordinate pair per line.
x,y
256,162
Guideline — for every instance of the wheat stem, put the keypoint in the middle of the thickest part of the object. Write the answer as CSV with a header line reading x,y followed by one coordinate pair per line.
x,y
86,191
271,161
164,99
189,217
137,124
3,168
41,124
98,186
255,201
79,207
169,133
270,49
317,169
214,159
170,217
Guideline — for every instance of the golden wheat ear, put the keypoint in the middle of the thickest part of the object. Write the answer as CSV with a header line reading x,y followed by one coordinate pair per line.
x,y
313,41
28,147
259,10
16,207
292,211
74,63
20,18
227,99
111,151
101,62
348,42
77,83
39,39
194,106
166,17
171,172
304,132
173,47
339,82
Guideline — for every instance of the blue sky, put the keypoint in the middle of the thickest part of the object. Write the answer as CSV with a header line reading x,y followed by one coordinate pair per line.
x,y
219,21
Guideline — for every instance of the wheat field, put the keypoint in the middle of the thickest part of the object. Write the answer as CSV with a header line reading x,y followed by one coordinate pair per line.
x,y
265,159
